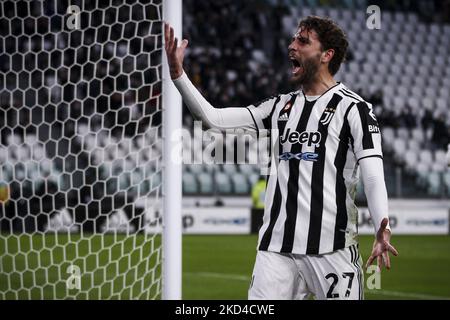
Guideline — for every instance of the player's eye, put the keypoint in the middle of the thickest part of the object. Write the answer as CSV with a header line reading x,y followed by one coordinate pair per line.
x,y
303,40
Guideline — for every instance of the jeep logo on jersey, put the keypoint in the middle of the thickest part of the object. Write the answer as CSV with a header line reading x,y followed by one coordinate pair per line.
x,y
309,137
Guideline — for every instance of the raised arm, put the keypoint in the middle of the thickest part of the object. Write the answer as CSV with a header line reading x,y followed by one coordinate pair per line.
x,y
226,118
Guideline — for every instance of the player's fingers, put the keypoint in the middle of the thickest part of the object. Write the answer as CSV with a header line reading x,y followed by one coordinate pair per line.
x,y
171,39
369,261
392,249
184,44
175,45
168,40
379,261
386,260
384,223
166,35
383,226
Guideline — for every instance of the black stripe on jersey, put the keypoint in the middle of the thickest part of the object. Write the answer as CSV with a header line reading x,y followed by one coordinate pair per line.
x,y
372,156
268,121
341,189
315,222
292,186
276,205
274,213
352,140
269,125
358,267
264,100
350,94
354,254
355,262
367,140
351,254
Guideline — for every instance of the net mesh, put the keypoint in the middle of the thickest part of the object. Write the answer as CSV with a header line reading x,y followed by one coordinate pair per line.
x,y
80,151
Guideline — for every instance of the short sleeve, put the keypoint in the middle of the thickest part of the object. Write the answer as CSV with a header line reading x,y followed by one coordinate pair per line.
x,y
262,112
365,131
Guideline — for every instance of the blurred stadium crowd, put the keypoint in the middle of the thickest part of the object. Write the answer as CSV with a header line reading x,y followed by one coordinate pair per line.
x,y
80,110
239,56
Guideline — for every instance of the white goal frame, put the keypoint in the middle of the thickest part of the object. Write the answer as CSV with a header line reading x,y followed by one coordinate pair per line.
x,y
172,182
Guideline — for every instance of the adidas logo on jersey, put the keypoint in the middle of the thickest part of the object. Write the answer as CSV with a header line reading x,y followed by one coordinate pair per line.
x,y
283,117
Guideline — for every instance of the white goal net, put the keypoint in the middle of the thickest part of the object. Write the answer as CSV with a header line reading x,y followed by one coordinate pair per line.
x,y
80,149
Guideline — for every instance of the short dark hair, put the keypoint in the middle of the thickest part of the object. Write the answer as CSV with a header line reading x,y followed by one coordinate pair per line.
x,y
331,36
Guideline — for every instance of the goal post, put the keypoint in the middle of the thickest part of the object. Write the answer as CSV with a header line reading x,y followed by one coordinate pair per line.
x,y
90,198
172,107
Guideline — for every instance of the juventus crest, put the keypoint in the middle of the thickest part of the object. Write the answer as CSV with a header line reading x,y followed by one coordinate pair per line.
x,y
327,116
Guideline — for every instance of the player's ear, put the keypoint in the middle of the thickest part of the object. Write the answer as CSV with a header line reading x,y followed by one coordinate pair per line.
x,y
327,55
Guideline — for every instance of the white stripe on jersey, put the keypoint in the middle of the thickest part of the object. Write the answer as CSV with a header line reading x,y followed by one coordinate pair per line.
x,y
283,175
304,194
310,201
329,192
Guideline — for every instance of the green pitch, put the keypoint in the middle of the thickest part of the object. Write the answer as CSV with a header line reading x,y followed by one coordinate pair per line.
x,y
219,267
214,267
110,266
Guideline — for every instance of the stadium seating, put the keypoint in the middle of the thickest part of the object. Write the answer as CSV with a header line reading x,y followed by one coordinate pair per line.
x,y
411,80
408,67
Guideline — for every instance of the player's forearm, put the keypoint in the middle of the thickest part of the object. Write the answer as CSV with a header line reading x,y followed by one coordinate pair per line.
x,y
197,104
215,118
375,189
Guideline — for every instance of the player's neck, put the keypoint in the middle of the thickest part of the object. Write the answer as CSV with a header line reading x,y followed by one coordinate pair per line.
x,y
319,86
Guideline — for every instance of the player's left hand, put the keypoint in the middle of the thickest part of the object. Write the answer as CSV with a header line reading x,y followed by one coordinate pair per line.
x,y
175,53
382,247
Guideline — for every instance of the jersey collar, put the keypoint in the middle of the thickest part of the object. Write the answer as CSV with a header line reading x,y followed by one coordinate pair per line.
x,y
330,90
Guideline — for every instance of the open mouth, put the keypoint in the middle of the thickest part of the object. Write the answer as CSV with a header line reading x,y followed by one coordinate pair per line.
x,y
297,68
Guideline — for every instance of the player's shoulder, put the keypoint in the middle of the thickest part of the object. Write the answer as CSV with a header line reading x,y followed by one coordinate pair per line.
x,y
274,100
357,106
350,97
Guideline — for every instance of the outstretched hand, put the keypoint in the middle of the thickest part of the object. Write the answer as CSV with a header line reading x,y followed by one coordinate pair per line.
x,y
382,247
175,54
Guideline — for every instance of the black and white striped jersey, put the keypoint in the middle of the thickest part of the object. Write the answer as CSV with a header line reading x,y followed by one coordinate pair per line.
x,y
309,204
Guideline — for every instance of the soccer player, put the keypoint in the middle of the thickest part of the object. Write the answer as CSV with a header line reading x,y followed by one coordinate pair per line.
x,y
328,135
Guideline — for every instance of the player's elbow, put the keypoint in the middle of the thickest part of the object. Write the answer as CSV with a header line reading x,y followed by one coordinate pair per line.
x,y
211,125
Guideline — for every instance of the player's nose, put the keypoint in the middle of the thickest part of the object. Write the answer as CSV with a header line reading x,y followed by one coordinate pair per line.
x,y
291,47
